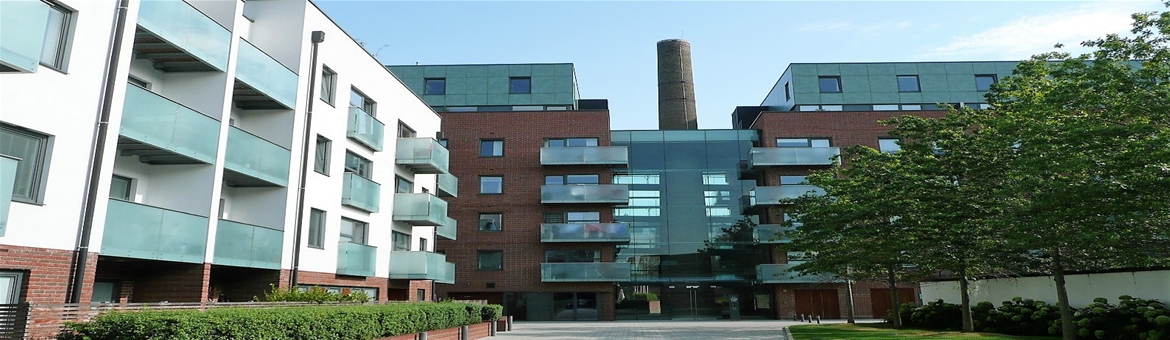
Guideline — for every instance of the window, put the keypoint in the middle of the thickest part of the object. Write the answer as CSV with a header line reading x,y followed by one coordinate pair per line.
x,y
491,221
573,217
321,161
316,229
491,148
802,142
138,82
562,256
435,86
563,142
402,185
491,184
358,165
792,180
889,144
404,131
911,107
787,92
328,85
10,286
55,52
32,149
908,84
519,85
570,179
422,244
421,294
122,188
490,259
353,231
885,107
401,241
983,81
359,100
830,84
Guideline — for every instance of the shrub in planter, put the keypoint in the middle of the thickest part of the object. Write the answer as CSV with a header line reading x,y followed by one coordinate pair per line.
x,y
1130,319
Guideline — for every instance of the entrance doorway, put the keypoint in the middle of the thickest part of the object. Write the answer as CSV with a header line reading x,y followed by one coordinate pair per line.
x,y
880,300
818,302
575,306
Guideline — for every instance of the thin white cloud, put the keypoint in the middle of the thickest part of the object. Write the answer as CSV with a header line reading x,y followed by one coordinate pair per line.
x,y
1030,35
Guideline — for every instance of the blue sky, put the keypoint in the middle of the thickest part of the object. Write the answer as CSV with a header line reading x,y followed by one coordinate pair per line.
x,y
739,49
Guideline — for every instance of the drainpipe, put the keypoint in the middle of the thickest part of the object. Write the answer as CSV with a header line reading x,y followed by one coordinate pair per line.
x,y
317,38
97,155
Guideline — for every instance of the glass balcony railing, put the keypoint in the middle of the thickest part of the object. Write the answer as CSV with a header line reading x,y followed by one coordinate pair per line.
x,y
590,193
7,182
146,232
448,185
188,30
448,229
419,209
245,245
585,232
584,272
423,155
266,75
778,273
356,259
361,193
421,265
584,155
22,34
773,234
255,157
793,156
169,126
365,129
775,195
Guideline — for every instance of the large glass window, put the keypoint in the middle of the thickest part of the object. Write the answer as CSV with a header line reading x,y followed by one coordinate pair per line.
x,y
490,259
401,241
491,148
321,161
55,51
792,180
358,165
435,86
889,144
360,100
32,149
122,188
491,184
354,231
561,256
908,84
562,142
802,142
570,179
830,84
519,85
983,81
402,185
491,221
404,131
316,229
328,85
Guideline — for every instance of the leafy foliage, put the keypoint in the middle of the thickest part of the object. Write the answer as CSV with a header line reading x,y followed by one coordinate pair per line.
x,y
312,294
1131,318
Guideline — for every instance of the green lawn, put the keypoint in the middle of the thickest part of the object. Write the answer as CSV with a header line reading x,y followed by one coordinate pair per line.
x,y
882,331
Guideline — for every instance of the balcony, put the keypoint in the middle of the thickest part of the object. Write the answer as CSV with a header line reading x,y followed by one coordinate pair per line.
x,y
180,38
365,129
356,259
584,155
813,156
448,185
22,34
361,193
7,182
422,155
421,265
419,209
146,232
161,131
262,82
773,234
585,232
776,195
778,273
246,245
590,193
584,272
448,229
252,161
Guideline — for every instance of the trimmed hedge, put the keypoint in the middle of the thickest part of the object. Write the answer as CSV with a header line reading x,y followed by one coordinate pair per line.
x,y
1130,319
352,322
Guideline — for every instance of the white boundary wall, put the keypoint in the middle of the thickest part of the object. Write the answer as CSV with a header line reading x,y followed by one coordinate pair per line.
x,y
1082,288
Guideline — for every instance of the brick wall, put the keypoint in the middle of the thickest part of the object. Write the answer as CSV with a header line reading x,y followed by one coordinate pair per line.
x,y
332,279
47,272
157,281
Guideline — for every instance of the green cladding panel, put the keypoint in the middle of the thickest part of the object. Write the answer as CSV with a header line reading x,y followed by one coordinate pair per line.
x,y
146,232
266,75
22,33
187,29
167,125
245,245
255,157
489,85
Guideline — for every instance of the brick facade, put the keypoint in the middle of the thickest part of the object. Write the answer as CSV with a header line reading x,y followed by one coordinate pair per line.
x,y
47,272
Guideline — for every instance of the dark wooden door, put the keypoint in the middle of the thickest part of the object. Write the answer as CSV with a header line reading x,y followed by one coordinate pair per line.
x,y
818,302
880,299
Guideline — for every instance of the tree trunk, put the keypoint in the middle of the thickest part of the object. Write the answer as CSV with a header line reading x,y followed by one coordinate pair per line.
x,y
849,301
965,296
1067,327
892,281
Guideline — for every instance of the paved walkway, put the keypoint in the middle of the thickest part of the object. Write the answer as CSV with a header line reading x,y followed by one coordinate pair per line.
x,y
665,330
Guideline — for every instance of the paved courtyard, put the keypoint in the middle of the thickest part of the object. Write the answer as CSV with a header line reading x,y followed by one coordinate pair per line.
x,y
665,330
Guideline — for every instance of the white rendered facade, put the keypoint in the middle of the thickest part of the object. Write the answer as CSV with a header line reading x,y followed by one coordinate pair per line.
x,y
202,158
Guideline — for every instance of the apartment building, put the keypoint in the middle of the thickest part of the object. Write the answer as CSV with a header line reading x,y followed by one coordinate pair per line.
x,y
189,151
